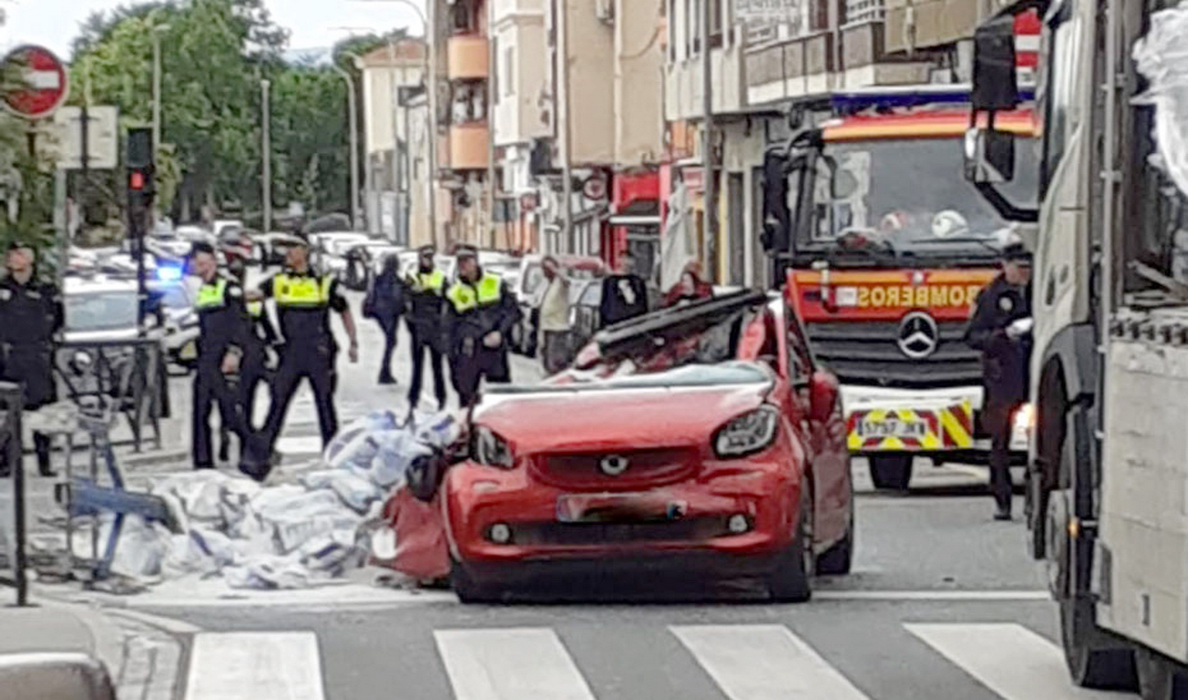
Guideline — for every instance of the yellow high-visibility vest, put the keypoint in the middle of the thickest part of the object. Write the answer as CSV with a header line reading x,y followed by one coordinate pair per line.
x,y
429,282
211,296
303,291
465,297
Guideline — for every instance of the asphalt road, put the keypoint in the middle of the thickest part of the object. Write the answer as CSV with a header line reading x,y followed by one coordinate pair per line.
x,y
943,604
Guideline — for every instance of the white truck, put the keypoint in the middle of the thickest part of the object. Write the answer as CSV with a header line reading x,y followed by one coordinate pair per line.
x,y
1107,490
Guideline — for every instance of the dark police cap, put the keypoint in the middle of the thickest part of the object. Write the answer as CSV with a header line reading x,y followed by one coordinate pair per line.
x,y
201,247
466,252
1017,253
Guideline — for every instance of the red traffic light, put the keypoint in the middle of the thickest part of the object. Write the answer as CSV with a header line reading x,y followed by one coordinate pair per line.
x,y
136,180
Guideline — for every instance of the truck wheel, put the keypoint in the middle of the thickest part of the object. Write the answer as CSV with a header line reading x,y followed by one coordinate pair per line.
x,y
838,559
891,472
466,588
1158,678
791,581
1090,665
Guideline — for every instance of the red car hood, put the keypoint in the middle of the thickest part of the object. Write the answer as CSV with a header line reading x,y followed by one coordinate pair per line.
x,y
589,419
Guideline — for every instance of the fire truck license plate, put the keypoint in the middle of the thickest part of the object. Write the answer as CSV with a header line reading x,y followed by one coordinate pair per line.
x,y
891,426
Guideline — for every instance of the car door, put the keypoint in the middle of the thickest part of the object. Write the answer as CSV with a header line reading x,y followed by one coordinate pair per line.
x,y
830,456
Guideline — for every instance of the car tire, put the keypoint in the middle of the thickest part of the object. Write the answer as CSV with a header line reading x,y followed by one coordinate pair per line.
x,y
891,472
838,559
1159,678
466,588
791,581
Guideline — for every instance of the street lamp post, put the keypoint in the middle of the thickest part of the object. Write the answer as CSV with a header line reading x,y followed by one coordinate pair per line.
x,y
157,31
429,77
266,152
352,130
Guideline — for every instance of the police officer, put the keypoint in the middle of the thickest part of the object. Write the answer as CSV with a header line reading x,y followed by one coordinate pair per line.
x,y
1001,330
223,329
480,315
32,316
425,294
304,300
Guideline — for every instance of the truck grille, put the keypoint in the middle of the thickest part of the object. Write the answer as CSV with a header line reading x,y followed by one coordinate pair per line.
x,y
867,353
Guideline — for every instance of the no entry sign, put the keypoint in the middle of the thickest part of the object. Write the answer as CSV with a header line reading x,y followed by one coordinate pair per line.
x,y
35,82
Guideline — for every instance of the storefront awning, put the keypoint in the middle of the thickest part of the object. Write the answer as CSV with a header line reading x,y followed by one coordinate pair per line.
x,y
639,213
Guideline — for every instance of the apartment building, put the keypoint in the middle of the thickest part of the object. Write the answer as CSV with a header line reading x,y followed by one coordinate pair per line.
x,y
389,75
767,55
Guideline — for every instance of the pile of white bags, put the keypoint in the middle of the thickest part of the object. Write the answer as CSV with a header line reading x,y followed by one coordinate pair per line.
x,y
286,536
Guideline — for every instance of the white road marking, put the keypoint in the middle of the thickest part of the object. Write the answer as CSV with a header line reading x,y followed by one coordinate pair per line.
x,y
1009,659
255,666
214,592
938,596
764,662
510,664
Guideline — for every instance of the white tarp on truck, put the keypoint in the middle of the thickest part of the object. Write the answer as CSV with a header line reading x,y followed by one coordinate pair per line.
x,y
1162,58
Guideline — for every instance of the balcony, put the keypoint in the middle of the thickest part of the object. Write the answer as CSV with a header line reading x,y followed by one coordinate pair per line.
x,y
468,146
467,57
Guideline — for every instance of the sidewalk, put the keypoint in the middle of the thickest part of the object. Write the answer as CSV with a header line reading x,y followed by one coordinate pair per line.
x,y
143,661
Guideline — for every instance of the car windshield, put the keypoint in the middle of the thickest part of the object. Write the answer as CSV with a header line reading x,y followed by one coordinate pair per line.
x,y
694,375
101,311
910,194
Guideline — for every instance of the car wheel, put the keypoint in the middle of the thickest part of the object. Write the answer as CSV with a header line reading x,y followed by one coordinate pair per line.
x,y
466,588
891,472
1158,678
838,559
791,581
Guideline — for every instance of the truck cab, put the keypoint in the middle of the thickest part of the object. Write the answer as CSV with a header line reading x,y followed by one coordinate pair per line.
x,y
884,248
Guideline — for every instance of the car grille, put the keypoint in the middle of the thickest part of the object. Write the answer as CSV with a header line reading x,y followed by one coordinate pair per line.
x,y
645,468
590,534
868,353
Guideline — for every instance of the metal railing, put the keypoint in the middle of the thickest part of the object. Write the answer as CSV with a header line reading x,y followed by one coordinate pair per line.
x,y
13,533
128,372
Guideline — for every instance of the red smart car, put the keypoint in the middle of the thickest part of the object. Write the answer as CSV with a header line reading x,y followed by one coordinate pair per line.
x,y
700,441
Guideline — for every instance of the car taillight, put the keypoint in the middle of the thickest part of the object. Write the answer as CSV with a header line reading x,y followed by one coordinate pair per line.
x,y
489,449
747,434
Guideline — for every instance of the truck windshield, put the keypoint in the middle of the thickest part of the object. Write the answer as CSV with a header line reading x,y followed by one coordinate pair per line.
x,y
910,194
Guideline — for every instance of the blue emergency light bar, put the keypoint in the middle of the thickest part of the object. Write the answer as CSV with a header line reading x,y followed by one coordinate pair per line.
x,y
169,273
884,99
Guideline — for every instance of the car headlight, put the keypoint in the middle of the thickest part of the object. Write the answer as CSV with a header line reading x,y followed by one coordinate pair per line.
x,y
747,434
489,449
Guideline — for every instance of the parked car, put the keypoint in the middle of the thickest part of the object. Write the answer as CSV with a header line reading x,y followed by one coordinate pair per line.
x,y
530,287
745,477
328,248
585,300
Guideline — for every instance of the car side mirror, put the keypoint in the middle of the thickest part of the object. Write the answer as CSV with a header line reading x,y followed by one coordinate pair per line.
x,y
995,73
823,391
989,156
56,676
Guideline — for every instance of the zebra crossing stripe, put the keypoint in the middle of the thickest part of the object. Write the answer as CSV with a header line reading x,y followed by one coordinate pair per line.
x,y
1009,659
255,666
764,662
510,664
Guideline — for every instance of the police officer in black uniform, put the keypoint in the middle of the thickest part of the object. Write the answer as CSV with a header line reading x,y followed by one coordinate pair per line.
x,y
223,328
31,317
425,295
304,299
1001,330
480,315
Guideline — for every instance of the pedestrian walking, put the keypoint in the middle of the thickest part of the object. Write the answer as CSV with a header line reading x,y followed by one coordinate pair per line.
x,y
304,299
425,295
554,317
480,316
1001,330
624,295
384,304
691,287
223,330
32,315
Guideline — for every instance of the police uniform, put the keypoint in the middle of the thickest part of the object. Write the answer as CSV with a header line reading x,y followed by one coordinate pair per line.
x,y
473,312
1006,365
426,306
303,303
223,329
32,315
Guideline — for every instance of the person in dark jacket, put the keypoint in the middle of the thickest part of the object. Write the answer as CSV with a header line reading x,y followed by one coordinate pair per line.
x,y
385,305
33,316
425,296
480,315
1001,330
624,295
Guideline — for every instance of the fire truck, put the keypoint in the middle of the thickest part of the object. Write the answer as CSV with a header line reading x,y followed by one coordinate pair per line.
x,y
1107,490
886,247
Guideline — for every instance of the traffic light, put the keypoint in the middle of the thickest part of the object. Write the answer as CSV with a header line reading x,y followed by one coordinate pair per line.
x,y
140,165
